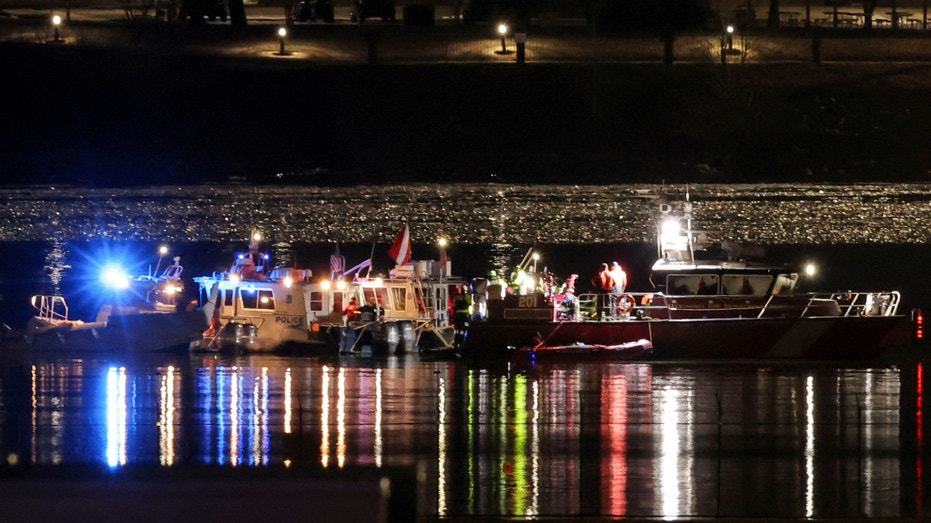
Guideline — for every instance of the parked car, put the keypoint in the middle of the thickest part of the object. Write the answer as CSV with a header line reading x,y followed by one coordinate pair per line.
x,y
363,9
314,10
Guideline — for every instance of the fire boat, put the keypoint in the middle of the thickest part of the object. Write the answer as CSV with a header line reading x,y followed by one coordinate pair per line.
x,y
258,307
707,301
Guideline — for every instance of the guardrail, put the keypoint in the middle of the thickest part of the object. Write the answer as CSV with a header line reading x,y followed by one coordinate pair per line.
x,y
643,305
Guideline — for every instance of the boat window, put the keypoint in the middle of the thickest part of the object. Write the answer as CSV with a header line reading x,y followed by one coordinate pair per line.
x,y
380,294
262,299
399,298
316,301
746,284
785,283
686,284
228,297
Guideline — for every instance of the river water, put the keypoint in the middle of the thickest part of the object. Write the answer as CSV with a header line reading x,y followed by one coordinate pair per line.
x,y
658,440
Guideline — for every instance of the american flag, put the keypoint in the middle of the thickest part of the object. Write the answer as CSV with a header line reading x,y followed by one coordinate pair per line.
x,y
337,264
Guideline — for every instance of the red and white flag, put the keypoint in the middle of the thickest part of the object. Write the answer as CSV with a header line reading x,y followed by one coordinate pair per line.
x,y
400,250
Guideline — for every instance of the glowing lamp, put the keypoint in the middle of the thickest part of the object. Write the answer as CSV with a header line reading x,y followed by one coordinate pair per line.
x,y
810,269
288,282
282,32
325,285
340,285
502,32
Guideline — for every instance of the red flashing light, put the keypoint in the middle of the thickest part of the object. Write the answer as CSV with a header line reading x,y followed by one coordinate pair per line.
x,y
918,318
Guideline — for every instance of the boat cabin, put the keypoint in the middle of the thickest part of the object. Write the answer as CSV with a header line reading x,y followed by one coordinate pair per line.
x,y
721,279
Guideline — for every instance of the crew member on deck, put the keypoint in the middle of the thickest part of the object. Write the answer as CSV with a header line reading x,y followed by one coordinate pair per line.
x,y
619,277
352,310
462,312
603,282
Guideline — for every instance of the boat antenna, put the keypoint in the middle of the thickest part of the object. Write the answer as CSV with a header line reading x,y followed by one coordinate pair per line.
x,y
371,257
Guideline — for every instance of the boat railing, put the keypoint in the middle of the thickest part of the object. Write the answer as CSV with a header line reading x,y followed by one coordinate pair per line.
x,y
603,307
857,303
50,308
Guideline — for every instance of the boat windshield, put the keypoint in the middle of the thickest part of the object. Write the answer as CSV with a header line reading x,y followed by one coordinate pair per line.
x,y
686,284
746,284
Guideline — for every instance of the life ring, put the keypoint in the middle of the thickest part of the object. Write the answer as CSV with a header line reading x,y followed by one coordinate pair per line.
x,y
625,303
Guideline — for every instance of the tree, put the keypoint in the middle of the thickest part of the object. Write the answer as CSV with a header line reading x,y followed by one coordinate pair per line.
x,y
868,6
772,20
237,13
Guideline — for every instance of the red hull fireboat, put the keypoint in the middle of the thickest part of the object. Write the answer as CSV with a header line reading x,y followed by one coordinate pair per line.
x,y
708,301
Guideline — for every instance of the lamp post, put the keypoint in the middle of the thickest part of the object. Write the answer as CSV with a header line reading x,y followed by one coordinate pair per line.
x,y
56,22
162,251
503,31
443,259
282,32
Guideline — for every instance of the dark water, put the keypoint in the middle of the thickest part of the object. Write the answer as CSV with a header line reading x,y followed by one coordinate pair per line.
x,y
686,439
651,440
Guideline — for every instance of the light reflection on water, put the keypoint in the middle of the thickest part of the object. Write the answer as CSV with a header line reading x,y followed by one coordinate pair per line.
x,y
650,440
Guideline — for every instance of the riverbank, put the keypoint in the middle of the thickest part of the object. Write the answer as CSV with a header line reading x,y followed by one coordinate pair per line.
x,y
123,103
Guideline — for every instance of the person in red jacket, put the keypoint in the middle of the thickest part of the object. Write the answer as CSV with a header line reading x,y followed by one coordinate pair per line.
x,y
603,281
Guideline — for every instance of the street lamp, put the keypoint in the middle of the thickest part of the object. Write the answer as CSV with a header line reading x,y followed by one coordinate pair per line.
x,y
730,37
282,32
56,22
503,31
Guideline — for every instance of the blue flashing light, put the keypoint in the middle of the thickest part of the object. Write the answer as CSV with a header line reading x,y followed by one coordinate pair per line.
x,y
115,277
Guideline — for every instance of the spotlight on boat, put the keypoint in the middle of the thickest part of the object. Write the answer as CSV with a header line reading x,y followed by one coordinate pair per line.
x,y
810,270
379,282
115,277
671,230
341,285
325,285
288,282
234,278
